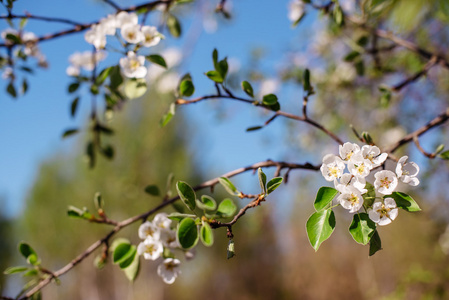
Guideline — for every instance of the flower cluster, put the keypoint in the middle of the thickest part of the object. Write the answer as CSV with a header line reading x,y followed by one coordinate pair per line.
x,y
158,236
85,60
130,30
352,186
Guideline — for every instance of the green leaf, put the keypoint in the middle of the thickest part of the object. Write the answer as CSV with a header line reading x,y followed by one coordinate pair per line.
x,y
226,209
351,56
270,99
36,296
206,234
168,116
30,273
370,196
13,38
29,253
69,132
254,128
103,75
152,190
135,88
404,201
362,228
187,233
262,180
115,77
98,201
73,87
306,83
99,262
440,149
133,269
24,86
74,106
174,27
363,41
275,107
157,59
222,68
367,138
338,15
187,194
11,90
215,76
273,184
231,249
206,203
180,216
228,185
13,270
186,88
375,244
360,67
324,197
444,155
215,57
129,258
122,252
90,152
108,151
320,226
74,212
247,88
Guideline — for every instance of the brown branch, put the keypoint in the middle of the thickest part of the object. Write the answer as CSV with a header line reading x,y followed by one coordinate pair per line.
x,y
416,76
41,18
440,119
144,216
111,3
278,113
421,149
82,27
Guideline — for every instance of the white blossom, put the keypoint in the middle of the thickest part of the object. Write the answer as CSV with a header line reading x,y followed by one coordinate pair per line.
x,y
168,238
161,221
151,37
132,33
109,25
123,18
359,166
383,213
295,10
150,248
148,229
133,66
96,36
332,167
386,181
407,172
351,199
347,150
349,180
169,270
8,72
6,32
85,60
372,153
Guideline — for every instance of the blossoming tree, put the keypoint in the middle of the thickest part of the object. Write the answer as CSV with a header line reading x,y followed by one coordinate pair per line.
x,y
367,176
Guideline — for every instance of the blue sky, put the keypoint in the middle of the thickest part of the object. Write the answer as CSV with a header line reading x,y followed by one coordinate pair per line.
x,y
32,124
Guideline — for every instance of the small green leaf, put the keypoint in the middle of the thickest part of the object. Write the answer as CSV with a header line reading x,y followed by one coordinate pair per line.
x,y
69,132
187,194
306,81
228,185
206,234
222,68
13,38
270,99
215,76
444,155
73,87
324,197
74,212
168,116
29,253
11,90
226,208
254,128
180,216
99,262
174,27
187,233
247,88
115,77
24,86
36,296
74,106
262,180
98,201
351,56
121,252
440,149
273,184
370,196
367,138
231,249
206,203
152,190
320,226
133,269
186,88
360,67
129,258
157,59
108,151
13,270
275,107
338,15
30,273
215,57
362,228
404,201
375,244
103,75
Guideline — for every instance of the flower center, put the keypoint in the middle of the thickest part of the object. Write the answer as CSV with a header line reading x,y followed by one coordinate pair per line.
x,y
360,168
333,172
134,64
150,249
131,35
353,199
149,232
385,182
384,211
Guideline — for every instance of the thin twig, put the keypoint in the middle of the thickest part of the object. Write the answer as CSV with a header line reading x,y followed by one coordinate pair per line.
x,y
41,18
421,149
111,3
416,76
